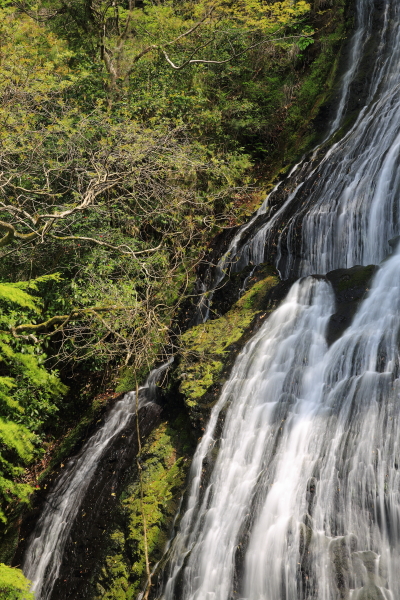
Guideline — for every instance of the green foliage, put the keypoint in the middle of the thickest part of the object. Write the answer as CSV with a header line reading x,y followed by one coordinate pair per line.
x,y
15,294
116,171
27,390
13,585
169,155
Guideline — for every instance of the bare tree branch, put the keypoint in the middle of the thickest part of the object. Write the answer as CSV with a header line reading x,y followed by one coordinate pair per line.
x,y
64,319
128,251
12,233
191,61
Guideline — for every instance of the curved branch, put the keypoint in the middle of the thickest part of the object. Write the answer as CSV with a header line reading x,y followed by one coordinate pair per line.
x,y
64,319
18,211
201,61
128,251
9,236
156,47
12,233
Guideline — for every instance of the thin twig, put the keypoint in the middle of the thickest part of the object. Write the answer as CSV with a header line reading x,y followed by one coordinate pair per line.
x,y
145,543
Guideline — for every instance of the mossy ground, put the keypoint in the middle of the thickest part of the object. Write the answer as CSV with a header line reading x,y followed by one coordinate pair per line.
x,y
305,122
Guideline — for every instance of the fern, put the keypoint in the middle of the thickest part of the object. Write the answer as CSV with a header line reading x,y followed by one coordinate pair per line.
x,y
17,438
27,390
13,584
17,293
12,293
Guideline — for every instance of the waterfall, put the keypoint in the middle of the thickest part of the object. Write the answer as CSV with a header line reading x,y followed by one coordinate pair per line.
x,y
299,497
347,205
304,497
328,527
350,207
360,39
269,379
44,553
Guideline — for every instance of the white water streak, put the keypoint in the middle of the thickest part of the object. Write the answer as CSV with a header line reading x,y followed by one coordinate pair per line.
x,y
353,209
354,205
44,554
345,439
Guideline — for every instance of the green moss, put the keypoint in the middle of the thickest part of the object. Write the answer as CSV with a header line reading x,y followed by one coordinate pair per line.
x,y
355,277
165,461
205,348
315,87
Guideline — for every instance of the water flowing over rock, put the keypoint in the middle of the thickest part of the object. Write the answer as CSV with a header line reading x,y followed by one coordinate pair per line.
x,y
265,383
45,550
339,207
302,498
294,490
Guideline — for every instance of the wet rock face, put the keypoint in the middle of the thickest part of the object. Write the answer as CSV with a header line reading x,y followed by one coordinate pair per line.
x,y
350,287
85,546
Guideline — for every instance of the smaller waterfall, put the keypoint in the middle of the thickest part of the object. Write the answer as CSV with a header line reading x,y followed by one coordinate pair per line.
x,y
226,264
45,548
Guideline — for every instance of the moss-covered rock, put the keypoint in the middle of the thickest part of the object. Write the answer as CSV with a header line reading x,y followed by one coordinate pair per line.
x,y
207,350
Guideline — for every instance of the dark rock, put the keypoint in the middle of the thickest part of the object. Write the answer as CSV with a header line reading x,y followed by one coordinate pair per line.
x,y
350,287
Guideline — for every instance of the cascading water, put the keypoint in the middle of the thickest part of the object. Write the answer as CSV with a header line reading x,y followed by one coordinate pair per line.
x,y
328,527
337,177
360,39
304,497
268,381
225,265
347,206
44,553
299,499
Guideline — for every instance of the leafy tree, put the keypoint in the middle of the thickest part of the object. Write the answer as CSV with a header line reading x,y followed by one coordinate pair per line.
x,y
121,192
120,208
204,32
131,133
